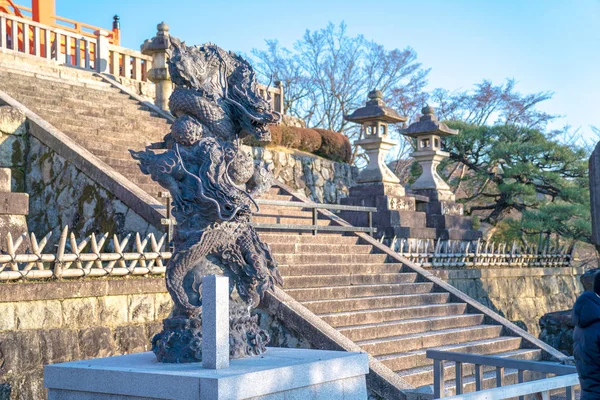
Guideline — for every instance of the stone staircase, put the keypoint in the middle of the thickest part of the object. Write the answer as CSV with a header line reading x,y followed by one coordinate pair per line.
x,y
383,306
376,300
93,113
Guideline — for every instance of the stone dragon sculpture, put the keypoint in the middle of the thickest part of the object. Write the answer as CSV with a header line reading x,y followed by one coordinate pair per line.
x,y
212,183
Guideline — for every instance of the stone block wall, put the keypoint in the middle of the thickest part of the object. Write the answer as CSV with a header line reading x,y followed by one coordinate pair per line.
x,y
321,180
521,295
13,145
61,194
53,322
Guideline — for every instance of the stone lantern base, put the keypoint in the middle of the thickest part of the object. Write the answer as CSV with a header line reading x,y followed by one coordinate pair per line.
x,y
408,215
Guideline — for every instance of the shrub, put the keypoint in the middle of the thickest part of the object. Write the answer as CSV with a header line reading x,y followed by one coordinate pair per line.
x,y
327,144
335,146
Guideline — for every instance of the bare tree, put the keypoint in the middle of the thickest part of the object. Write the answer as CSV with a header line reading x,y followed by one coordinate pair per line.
x,y
329,73
489,104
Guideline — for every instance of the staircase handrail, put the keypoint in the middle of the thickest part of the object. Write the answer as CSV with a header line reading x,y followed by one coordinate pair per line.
x,y
520,390
315,227
479,361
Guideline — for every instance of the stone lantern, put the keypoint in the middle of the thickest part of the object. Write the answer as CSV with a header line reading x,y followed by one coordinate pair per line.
x,y
375,118
428,132
157,47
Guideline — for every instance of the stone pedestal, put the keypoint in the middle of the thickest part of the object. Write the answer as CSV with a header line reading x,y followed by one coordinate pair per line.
x,y
278,374
397,214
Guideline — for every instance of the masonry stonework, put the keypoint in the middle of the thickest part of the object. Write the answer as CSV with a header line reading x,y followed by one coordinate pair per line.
x,y
62,195
319,179
521,295
53,322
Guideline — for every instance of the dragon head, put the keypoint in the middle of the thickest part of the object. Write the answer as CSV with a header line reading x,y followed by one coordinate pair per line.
x,y
227,79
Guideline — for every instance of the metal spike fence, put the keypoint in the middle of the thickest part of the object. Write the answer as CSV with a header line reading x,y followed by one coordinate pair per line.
x,y
429,253
90,257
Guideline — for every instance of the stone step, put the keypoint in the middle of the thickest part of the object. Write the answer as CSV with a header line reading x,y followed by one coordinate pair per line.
x,y
86,139
279,197
303,248
106,126
386,329
285,220
417,358
321,281
422,340
114,108
25,81
320,307
381,315
73,92
423,376
339,270
343,292
297,259
307,238
289,211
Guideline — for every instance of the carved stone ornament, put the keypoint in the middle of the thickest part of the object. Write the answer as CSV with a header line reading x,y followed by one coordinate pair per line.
x,y
452,208
212,183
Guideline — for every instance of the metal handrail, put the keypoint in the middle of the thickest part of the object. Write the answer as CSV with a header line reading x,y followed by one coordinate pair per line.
x,y
543,386
439,357
315,227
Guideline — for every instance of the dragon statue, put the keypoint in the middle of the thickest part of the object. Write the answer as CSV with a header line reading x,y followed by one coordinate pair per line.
x,y
212,182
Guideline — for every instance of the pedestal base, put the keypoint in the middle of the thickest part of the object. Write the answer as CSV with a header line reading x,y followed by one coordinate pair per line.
x,y
278,374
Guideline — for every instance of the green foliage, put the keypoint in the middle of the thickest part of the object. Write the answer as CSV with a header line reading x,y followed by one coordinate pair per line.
x,y
538,184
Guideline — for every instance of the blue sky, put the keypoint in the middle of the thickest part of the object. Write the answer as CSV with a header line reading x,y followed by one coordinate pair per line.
x,y
543,44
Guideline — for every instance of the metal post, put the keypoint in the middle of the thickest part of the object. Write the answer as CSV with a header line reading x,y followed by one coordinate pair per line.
x,y
521,377
459,377
314,220
478,377
370,218
499,376
438,379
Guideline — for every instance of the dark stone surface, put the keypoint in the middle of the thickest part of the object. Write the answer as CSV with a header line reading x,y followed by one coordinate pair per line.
x,y
96,342
20,351
557,330
449,222
5,391
30,386
58,345
587,279
131,339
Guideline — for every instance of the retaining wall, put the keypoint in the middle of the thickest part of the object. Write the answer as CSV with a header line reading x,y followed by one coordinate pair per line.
x,y
53,322
521,295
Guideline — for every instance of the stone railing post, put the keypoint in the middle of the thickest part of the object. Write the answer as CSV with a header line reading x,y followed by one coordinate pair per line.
x,y
159,74
102,51
215,322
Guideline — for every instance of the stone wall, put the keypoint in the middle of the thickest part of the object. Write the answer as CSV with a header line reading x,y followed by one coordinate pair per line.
x,y
53,322
321,180
61,194
521,295
13,145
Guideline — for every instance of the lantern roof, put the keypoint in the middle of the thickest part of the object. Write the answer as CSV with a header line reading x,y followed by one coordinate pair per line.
x,y
428,124
375,110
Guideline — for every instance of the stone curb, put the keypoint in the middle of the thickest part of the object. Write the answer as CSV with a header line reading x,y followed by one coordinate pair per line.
x,y
122,188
